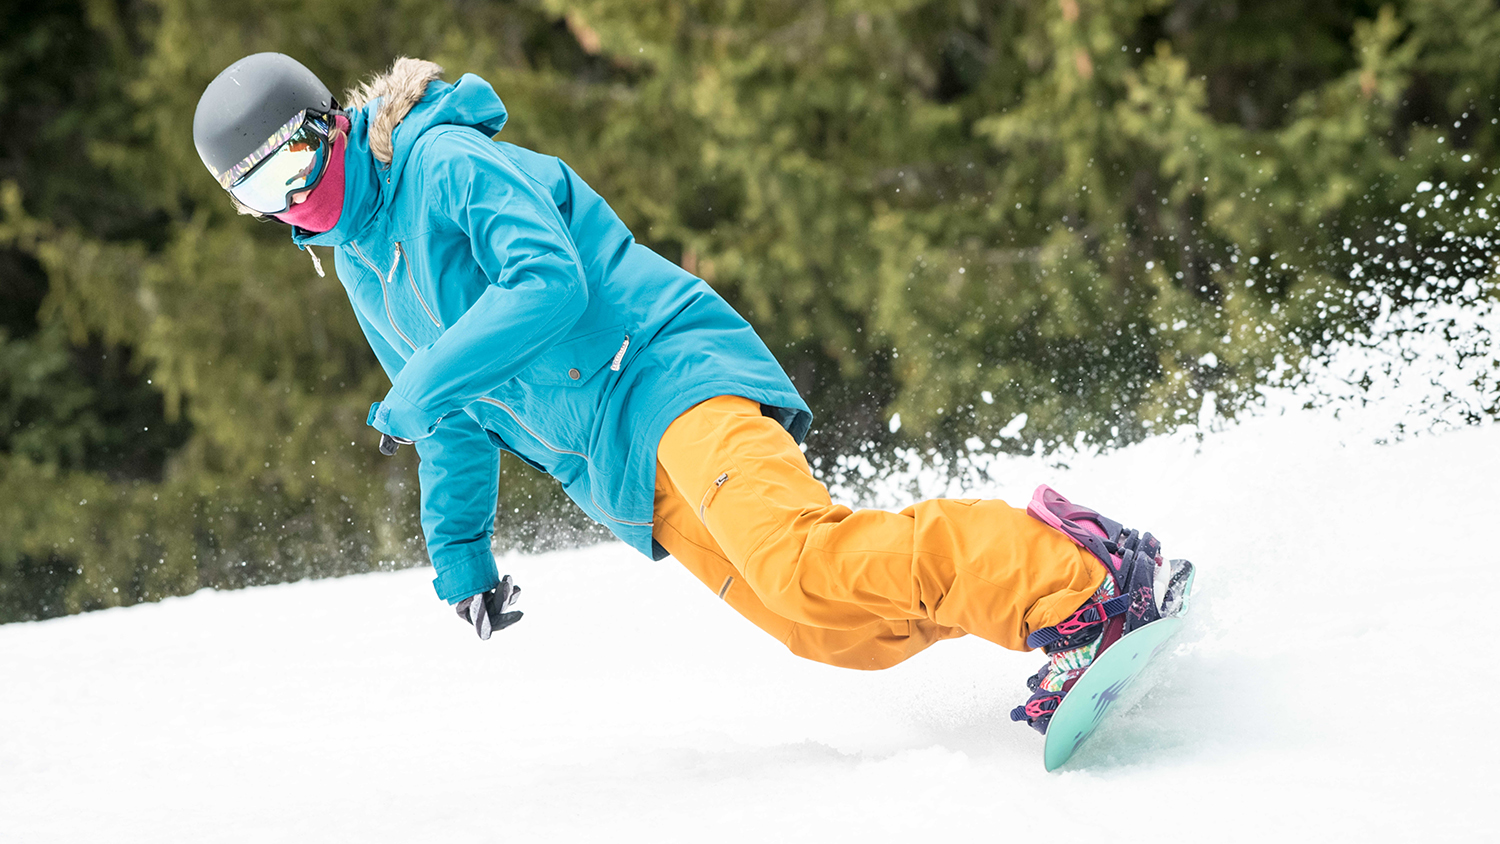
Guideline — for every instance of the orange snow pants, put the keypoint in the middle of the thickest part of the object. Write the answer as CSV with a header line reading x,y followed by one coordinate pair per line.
x,y
738,506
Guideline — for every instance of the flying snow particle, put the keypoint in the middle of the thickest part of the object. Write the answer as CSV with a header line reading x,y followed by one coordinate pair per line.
x,y
1207,410
1012,429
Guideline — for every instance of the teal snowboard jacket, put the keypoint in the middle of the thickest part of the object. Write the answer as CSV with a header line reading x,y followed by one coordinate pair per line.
x,y
513,311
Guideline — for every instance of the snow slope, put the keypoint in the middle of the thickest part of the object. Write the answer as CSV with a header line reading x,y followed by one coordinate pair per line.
x,y
1333,684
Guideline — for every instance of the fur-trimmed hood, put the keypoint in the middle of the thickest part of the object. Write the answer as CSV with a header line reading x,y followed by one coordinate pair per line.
x,y
398,89
404,101
389,114
389,101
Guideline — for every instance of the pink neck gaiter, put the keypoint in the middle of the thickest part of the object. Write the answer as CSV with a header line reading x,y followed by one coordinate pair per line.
x,y
320,211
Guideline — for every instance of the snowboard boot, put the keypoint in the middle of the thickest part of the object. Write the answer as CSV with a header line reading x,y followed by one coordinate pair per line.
x,y
1138,590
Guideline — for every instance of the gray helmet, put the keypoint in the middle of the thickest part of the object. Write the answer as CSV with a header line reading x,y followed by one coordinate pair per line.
x,y
251,104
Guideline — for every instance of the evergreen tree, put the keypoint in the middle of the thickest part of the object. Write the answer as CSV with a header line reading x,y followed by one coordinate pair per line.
x,y
1097,213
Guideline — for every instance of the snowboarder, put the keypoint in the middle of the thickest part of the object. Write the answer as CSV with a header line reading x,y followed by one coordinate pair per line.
x,y
513,311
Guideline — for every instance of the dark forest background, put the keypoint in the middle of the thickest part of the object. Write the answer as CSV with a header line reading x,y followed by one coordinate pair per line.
x,y
1093,212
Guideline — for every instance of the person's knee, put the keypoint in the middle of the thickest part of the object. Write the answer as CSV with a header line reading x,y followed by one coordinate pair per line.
x,y
787,571
782,585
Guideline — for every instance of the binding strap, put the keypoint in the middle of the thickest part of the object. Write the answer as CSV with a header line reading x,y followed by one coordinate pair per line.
x,y
1037,711
1080,623
1038,706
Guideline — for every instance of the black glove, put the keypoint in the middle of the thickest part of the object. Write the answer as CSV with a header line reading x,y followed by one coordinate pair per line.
x,y
487,611
389,444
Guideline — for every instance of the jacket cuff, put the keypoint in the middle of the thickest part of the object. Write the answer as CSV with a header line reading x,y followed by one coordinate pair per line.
x,y
398,417
463,572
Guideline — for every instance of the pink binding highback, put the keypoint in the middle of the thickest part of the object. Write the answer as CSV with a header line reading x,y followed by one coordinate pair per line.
x,y
1084,526
1050,507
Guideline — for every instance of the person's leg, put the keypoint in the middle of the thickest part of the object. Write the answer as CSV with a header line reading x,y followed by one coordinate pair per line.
x,y
878,644
979,566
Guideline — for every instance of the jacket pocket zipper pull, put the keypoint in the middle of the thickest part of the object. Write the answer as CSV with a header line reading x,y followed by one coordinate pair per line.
x,y
614,365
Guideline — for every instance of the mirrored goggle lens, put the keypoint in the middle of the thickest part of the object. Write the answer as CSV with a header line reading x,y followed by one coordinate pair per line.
x,y
294,166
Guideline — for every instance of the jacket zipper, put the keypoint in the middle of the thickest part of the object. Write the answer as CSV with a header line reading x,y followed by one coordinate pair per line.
x,y
383,297
550,447
413,280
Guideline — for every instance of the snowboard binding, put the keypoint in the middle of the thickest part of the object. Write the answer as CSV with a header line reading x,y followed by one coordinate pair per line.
x,y
1139,590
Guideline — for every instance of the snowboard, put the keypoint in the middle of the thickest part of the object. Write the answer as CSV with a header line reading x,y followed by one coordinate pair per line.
x,y
1111,673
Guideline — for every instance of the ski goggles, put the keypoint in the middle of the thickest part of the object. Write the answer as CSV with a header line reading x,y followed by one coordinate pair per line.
x,y
289,162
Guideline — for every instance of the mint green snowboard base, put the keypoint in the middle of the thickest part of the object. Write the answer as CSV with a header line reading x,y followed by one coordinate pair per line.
x,y
1090,699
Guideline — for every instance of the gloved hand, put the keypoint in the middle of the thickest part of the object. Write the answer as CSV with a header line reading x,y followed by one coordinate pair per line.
x,y
389,444
487,611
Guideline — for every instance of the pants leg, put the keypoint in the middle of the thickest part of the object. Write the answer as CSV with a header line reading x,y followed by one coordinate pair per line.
x,y
977,566
878,644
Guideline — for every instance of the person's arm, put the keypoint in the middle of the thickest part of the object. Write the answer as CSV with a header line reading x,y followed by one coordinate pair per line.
x,y
459,475
460,478
536,290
